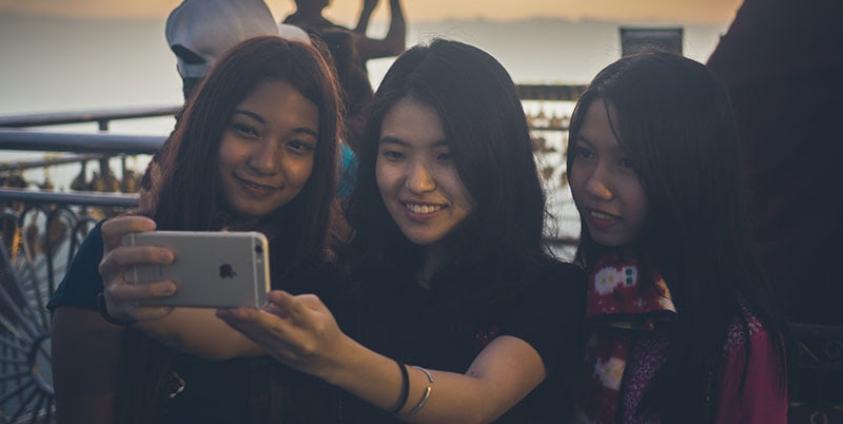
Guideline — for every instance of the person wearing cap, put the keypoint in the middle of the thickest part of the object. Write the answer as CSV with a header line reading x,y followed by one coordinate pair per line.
x,y
200,31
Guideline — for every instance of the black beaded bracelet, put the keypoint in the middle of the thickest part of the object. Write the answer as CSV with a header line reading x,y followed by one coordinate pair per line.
x,y
103,310
405,388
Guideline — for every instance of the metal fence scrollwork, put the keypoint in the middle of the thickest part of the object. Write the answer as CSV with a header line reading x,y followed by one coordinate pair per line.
x,y
37,244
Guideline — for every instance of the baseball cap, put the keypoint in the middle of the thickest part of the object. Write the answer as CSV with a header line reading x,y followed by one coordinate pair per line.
x,y
200,31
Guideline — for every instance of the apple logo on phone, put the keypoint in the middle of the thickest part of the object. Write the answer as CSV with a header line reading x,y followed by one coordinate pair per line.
x,y
226,271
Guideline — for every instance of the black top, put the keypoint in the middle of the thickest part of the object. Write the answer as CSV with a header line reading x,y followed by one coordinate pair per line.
x,y
231,391
424,327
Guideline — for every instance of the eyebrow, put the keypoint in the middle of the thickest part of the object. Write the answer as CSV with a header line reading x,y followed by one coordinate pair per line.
x,y
395,140
260,119
582,139
250,114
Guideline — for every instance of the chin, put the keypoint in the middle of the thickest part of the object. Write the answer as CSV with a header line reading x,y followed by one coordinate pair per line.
x,y
421,239
608,240
252,211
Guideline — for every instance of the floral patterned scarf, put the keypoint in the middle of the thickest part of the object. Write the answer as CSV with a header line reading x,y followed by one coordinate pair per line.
x,y
626,314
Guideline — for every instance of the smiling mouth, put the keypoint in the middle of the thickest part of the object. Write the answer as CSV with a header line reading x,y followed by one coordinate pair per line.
x,y
422,208
604,216
254,186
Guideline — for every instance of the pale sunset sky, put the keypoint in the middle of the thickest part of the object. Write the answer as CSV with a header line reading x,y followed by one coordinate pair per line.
x,y
345,11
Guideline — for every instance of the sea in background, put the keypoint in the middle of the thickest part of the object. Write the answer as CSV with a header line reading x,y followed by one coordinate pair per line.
x,y
51,64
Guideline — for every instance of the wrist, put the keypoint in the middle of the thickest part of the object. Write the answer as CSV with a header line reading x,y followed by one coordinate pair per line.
x,y
338,370
102,308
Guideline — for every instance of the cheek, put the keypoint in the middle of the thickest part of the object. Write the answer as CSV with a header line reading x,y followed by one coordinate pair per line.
x,y
450,180
383,177
298,172
576,176
637,201
230,153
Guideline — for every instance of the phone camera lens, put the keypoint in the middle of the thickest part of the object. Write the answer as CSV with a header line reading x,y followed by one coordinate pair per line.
x,y
258,248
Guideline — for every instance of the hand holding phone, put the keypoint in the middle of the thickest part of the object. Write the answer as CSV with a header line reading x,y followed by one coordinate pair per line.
x,y
122,299
210,269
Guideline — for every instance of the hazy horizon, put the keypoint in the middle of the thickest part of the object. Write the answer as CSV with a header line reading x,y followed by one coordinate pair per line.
x,y
57,63
685,12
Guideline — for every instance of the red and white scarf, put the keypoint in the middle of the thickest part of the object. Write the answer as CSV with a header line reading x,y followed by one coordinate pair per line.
x,y
625,312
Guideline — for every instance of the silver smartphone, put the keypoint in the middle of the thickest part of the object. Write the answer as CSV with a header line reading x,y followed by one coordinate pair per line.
x,y
211,269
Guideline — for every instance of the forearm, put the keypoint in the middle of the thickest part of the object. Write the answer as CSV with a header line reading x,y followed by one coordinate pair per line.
x,y
365,16
396,37
199,332
86,356
454,397
392,45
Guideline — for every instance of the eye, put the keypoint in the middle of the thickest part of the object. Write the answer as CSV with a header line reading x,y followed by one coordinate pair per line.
x,y
582,152
392,155
626,163
444,157
300,146
245,130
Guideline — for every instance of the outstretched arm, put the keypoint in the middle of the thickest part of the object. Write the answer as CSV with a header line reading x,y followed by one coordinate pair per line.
x,y
301,332
392,45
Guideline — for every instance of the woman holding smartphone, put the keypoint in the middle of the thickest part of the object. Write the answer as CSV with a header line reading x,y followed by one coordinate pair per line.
x,y
464,315
254,150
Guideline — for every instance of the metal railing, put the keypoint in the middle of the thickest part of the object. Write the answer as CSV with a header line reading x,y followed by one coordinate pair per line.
x,y
102,117
39,236
79,143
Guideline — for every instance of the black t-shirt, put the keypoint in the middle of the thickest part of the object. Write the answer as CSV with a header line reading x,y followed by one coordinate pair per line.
x,y
218,391
419,326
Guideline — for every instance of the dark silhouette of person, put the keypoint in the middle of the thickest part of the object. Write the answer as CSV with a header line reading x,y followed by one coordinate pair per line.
x,y
782,61
308,16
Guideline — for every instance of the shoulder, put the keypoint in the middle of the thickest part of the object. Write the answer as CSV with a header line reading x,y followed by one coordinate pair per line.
x,y
549,312
752,387
745,327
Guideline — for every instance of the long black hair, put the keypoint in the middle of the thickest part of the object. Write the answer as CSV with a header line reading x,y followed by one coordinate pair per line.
x,y
675,122
488,138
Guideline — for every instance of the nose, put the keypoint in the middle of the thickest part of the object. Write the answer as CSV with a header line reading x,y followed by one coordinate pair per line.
x,y
420,180
598,184
266,157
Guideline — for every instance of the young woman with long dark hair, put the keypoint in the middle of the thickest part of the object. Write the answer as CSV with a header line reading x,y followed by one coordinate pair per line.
x,y
678,310
464,317
255,149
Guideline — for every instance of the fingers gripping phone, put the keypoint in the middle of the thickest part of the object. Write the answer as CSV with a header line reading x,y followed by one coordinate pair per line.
x,y
211,269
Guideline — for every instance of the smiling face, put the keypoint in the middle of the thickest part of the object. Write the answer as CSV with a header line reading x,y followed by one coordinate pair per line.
x,y
267,149
604,184
416,176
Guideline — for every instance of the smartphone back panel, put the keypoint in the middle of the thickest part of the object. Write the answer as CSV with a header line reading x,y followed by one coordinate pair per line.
x,y
211,269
